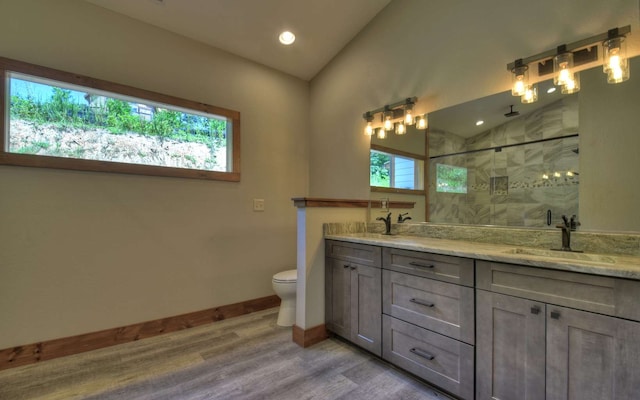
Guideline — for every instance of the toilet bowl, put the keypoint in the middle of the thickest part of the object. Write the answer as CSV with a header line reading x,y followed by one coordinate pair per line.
x,y
284,284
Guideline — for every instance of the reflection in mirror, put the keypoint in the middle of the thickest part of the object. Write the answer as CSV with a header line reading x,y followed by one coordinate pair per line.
x,y
397,167
518,168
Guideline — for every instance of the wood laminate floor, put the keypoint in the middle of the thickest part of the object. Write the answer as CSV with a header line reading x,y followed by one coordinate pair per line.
x,y
247,357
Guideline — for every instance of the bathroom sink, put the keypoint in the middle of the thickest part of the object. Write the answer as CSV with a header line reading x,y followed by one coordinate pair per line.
x,y
568,255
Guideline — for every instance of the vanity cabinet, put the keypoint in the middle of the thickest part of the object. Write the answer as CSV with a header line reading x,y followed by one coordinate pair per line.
x,y
428,322
353,298
533,343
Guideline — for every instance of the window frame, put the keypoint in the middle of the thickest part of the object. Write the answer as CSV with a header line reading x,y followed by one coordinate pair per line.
x,y
394,152
32,160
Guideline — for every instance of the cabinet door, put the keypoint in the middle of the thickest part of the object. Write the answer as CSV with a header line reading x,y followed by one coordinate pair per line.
x,y
338,297
591,356
366,307
510,347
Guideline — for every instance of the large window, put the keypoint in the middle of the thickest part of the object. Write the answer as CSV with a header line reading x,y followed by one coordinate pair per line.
x,y
58,120
396,171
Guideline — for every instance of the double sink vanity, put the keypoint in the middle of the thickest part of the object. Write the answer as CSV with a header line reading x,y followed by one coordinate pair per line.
x,y
491,321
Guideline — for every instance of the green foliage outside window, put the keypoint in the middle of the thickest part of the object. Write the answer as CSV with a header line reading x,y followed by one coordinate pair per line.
x,y
451,179
379,169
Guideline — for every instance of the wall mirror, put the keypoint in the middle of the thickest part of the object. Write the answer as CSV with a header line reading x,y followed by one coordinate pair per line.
x,y
519,168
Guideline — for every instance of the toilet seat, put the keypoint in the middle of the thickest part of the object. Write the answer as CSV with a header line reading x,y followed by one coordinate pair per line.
x,y
290,276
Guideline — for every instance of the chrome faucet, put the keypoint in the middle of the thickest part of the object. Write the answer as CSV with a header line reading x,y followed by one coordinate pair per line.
x,y
387,223
567,226
402,218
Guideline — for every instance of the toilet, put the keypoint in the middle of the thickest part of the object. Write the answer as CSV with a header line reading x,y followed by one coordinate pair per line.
x,y
284,284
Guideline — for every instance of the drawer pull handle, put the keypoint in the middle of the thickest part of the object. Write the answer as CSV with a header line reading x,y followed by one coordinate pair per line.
x,y
555,315
417,264
346,266
352,268
535,310
422,354
422,302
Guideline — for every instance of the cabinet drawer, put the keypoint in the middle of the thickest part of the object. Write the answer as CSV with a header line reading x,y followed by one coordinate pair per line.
x,y
354,252
442,307
605,295
444,268
442,361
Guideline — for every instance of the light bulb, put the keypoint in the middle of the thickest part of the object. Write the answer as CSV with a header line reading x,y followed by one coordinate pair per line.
x,y
388,124
421,122
408,117
562,67
530,95
519,79
382,133
616,64
571,85
400,128
368,130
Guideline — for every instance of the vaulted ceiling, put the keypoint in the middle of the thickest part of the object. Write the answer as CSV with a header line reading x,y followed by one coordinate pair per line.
x,y
250,28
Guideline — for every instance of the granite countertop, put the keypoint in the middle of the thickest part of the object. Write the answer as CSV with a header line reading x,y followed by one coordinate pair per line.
x,y
621,266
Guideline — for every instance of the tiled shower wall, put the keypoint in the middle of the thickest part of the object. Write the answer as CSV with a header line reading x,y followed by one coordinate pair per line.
x,y
518,185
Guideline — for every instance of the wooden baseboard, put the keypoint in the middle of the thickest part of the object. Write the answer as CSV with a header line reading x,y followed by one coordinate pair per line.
x,y
47,350
309,337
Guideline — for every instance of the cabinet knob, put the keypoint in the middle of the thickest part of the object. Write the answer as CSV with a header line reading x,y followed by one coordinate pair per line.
x,y
535,310
352,268
555,314
346,266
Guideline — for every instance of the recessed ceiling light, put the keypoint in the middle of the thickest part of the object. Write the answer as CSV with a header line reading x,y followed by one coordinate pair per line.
x,y
479,122
551,89
287,38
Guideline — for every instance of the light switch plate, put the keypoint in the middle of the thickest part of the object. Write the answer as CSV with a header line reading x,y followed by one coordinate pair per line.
x,y
258,204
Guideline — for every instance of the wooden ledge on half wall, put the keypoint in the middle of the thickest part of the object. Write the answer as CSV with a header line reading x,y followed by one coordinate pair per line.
x,y
302,202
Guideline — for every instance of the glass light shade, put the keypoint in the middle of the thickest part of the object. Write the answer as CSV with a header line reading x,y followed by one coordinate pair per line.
x,y
408,117
571,85
382,133
400,128
562,68
530,95
421,122
519,80
368,130
388,124
616,64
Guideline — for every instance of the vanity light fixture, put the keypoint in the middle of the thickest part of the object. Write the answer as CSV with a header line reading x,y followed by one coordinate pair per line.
x,y
562,61
394,117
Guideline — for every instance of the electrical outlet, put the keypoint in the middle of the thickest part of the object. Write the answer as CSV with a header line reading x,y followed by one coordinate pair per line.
x,y
258,204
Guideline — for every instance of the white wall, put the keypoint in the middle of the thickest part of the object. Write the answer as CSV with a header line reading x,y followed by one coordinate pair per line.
x,y
83,251
448,52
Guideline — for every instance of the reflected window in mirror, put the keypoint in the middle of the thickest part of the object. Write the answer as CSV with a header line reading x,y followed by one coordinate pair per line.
x,y
396,171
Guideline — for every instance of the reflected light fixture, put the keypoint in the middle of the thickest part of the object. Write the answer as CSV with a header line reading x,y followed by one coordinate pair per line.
x,y
565,58
394,117
421,122
530,95
479,122
616,64
519,78
287,38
